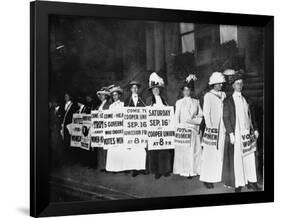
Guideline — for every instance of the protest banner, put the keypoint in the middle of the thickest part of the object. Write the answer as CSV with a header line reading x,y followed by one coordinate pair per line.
x,y
210,137
96,128
183,135
161,130
86,136
249,142
113,128
75,130
135,127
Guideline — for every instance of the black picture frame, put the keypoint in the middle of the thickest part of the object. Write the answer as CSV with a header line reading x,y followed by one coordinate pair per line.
x,y
39,166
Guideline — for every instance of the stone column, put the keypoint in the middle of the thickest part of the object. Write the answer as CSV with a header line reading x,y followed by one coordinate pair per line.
x,y
172,49
159,50
149,35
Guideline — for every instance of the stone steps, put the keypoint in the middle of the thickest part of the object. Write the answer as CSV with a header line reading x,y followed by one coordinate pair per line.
x,y
253,87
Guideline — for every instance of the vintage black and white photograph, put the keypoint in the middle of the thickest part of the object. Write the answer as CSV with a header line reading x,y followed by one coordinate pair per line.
x,y
144,109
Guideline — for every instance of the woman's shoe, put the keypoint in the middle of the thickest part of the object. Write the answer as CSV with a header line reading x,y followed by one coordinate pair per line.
x,y
254,186
135,173
237,190
207,185
157,176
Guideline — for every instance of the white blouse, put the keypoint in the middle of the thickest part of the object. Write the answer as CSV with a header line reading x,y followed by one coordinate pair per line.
x,y
116,105
213,108
188,110
158,101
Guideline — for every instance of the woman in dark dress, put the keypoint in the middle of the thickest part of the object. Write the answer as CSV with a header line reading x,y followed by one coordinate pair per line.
x,y
159,161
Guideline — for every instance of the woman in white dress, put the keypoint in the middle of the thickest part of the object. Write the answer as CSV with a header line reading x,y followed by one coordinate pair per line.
x,y
115,155
188,112
136,155
121,158
212,156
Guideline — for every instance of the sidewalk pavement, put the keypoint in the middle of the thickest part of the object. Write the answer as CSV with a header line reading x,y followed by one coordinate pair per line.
x,y
76,182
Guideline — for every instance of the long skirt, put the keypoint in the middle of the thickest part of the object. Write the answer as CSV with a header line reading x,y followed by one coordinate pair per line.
x,y
187,157
101,158
160,161
238,170
121,159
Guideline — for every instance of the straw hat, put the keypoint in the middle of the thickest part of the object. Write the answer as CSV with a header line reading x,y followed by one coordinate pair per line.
x,y
134,82
233,75
116,89
103,90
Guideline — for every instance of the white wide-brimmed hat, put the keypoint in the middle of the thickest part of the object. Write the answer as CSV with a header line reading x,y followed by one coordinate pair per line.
x,y
155,81
103,90
116,89
216,78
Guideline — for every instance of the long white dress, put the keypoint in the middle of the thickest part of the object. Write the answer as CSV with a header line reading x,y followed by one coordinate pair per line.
x,y
244,167
121,158
115,155
187,158
212,157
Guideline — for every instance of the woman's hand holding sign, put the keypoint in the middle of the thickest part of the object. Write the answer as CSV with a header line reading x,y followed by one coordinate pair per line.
x,y
256,134
232,138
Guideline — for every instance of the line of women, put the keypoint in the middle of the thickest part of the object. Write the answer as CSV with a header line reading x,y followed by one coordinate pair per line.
x,y
221,163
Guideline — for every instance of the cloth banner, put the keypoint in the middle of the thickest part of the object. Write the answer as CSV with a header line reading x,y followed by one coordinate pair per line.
x,y
183,135
75,130
113,128
210,137
135,127
249,142
161,129
86,135
96,128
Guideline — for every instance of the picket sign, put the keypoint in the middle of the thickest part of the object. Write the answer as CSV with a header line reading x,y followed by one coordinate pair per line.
x,y
96,128
160,127
183,135
113,128
135,127
86,135
75,130
210,137
249,142
151,127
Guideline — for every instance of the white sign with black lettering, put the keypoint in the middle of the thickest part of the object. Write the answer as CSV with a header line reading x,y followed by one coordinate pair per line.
x,y
113,128
183,135
161,129
86,135
75,130
97,128
135,127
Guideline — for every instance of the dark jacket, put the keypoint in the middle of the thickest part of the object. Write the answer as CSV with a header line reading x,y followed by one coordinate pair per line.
x,y
130,103
229,114
150,101
88,108
159,161
67,116
105,106
229,120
